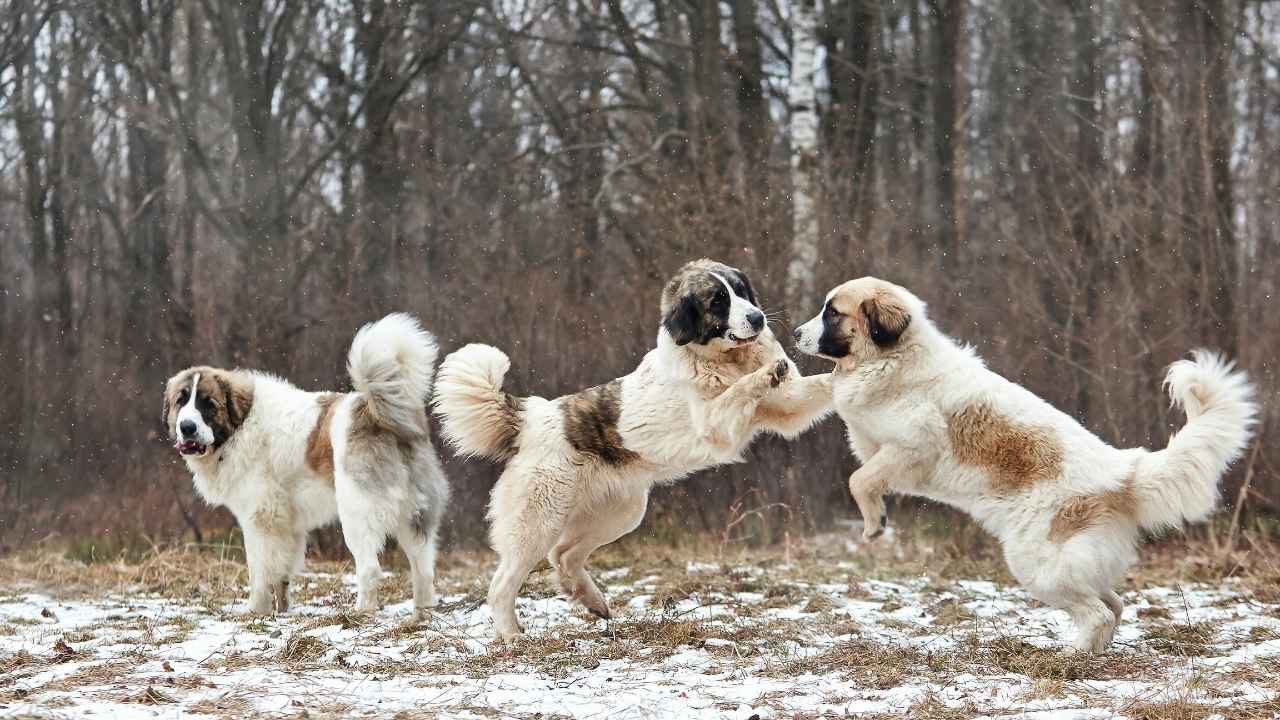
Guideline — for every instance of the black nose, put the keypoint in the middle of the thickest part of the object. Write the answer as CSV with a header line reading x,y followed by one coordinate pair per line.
x,y
756,318
188,427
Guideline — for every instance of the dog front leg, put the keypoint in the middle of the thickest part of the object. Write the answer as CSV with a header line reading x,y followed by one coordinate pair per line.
x,y
888,469
260,576
728,417
796,405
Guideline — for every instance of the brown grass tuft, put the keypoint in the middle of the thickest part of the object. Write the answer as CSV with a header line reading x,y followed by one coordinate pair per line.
x,y
1186,639
301,648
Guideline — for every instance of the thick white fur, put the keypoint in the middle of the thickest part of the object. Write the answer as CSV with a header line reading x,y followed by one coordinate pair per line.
x,y
683,409
392,362
895,403
1180,483
261,476
470,399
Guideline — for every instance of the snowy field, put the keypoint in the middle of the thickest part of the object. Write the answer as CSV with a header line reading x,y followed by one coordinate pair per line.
x,y
813,632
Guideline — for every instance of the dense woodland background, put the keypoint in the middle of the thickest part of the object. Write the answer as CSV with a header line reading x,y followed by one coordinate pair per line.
x,y
1084,190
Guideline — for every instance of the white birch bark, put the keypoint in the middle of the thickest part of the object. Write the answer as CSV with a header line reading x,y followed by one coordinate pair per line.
x,y
804,159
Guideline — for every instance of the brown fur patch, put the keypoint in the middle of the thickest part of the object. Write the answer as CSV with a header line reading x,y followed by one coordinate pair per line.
x,y
1081,513
319,454
364,421
591,423
507,428
1015,455
372,449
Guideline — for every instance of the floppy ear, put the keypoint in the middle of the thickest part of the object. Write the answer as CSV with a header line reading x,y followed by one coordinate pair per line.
x,y
684,321
238,401
887,318
164,415
751,292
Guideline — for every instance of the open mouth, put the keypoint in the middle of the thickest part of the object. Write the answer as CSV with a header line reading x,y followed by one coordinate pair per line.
x,y
190,447
735,338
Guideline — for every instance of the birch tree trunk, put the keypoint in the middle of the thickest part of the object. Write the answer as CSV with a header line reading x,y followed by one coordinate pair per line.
x,y
804,159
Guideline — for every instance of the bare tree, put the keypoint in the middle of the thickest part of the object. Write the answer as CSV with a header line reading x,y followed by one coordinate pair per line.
x,y
802,99
1083,189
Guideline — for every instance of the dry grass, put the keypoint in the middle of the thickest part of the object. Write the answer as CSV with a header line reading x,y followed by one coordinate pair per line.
x,y
1188,639
208,574
1191,710
747,614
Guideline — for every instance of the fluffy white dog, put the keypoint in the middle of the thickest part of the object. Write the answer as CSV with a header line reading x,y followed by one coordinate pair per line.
x,y
580,467
286,461
926,417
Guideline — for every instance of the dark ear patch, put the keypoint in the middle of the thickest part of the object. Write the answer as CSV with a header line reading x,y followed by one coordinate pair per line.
x,y
751,292
238,402
887,318
684,322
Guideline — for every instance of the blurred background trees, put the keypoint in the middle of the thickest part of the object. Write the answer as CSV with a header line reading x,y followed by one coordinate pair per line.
x,y
1083,190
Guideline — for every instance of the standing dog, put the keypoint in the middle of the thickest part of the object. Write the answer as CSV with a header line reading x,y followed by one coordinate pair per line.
x,y
286,461
926,417
579,467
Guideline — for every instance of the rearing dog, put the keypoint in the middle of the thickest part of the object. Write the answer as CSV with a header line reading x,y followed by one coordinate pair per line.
x,y
926,417
580,467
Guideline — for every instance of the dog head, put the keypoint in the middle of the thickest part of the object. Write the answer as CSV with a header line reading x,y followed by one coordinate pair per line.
x,y
203,407
711,304
859,320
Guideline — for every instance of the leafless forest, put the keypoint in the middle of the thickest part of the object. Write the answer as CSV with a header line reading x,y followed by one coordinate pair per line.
x,y
1083,190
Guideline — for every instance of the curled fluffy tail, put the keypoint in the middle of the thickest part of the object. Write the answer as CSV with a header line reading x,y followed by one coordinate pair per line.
x,y
477,417
1180,483
391,364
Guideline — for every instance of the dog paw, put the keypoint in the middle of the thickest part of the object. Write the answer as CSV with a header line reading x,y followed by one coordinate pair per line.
x,y
779,373
509,637
875,530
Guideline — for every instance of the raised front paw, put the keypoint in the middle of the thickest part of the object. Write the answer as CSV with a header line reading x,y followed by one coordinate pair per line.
x,y
871,531
779,373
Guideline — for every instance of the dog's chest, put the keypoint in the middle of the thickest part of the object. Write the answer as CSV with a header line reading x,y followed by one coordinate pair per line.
x,y
228,483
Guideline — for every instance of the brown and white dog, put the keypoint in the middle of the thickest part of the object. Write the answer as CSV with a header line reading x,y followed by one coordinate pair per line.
x,y
579,467
286,461
926,417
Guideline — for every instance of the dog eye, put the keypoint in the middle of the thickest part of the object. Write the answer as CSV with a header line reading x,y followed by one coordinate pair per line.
x,y
182,397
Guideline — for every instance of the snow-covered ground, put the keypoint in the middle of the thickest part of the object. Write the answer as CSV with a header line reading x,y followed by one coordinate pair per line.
x,y
690,640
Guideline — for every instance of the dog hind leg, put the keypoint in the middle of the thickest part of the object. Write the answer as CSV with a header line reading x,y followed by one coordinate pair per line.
x,y
515,562
527,513
583,536
417,538
366,524
1095,623
1116,606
